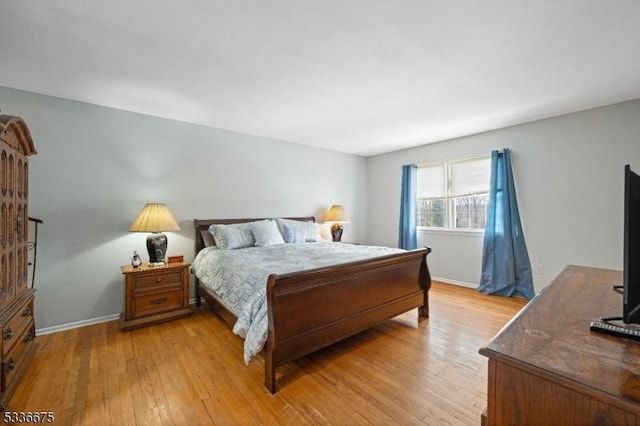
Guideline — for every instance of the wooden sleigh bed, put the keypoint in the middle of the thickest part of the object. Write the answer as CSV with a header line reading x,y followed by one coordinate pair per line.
x,y
312,309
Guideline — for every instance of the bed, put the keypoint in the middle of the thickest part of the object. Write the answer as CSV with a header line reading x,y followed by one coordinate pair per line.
x,y
307,310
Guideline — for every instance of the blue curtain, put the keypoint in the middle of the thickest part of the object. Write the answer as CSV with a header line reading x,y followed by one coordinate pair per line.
x,y
407,239
506,269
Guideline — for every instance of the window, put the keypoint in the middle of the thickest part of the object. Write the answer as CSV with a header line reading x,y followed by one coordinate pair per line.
x,y
453,195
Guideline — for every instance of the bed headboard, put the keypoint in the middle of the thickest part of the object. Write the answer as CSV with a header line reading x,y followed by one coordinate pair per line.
x,y
203,225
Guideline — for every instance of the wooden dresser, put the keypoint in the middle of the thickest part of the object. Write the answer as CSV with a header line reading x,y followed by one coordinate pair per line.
x,y
16,298
547,368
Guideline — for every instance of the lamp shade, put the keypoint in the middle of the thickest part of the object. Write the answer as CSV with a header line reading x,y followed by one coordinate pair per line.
x,y
336,214
154,217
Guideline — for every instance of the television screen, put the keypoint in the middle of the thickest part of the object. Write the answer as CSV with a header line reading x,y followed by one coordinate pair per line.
x,y
631,266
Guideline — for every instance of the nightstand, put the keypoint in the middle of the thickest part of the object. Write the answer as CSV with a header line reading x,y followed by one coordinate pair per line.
x,y
154,294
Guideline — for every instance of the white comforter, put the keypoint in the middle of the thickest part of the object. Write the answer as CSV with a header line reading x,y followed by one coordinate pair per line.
x,y
239,277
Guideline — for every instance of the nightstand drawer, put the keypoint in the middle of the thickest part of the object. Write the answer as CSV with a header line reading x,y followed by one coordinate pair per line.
x,y
155,281
16,325
156,302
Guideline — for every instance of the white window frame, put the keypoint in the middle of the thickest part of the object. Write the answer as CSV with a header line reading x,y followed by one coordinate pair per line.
x,y
449,218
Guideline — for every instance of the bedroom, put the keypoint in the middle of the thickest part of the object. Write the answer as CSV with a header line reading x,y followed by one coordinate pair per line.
x,y
97,166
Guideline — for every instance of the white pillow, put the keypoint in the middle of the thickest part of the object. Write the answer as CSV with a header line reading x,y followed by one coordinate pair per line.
x,y
234,236
296,231
266,233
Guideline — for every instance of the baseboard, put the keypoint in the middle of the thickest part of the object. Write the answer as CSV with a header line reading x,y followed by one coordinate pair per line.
x,y
76,324
83,323
455,282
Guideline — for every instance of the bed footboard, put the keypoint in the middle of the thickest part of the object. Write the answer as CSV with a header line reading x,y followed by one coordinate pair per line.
x,y
313,309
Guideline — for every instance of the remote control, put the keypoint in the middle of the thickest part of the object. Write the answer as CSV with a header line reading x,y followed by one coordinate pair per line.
x,y
615,330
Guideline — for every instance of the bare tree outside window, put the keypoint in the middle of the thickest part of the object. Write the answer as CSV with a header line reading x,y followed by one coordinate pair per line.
x,y
431,213
470,212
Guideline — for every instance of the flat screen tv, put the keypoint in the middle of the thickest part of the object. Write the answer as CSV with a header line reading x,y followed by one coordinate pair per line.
x,y
631,251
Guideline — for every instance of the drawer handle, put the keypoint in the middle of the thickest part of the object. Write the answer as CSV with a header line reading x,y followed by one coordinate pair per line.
x,y
26,312
158,280
11,364
28,338
158,301
7,334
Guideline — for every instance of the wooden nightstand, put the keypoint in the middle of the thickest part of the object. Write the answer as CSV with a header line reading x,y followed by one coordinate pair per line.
x,y
154,294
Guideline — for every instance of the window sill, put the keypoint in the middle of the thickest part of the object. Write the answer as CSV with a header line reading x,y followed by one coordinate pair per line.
x,y
455,232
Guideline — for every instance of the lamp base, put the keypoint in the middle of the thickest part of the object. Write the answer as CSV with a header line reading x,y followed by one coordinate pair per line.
x,y
336,232
157,247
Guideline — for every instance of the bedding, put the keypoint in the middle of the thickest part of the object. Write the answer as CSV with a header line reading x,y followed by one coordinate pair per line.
x,y
239,276
295,231
266,232
207,238
233,236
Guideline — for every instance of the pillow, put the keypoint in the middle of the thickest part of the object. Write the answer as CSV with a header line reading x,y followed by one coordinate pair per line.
x,y
234,236
266,233
295,231
207,237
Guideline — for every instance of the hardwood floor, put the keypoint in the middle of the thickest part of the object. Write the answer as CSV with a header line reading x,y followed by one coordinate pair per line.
x,y
191,372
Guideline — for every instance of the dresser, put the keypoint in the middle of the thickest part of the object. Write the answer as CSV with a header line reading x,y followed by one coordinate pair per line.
x,y
154,294
547,368
16,298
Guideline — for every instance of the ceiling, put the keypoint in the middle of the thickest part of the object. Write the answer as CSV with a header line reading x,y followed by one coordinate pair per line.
x,y
358,76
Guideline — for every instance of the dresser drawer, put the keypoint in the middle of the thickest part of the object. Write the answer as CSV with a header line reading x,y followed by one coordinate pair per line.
x,y
13,360
13,328
157,302
155,281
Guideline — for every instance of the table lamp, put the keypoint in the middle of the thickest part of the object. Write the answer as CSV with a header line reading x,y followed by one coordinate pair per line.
x,y
155,218
337,217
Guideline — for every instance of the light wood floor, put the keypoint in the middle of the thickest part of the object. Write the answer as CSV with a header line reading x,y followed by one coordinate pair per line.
x,y
191,371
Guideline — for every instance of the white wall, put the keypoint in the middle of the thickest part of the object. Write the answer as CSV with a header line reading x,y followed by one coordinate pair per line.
x,y
569,179
96,167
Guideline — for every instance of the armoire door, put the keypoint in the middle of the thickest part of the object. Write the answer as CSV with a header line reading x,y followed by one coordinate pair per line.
x,y
15,145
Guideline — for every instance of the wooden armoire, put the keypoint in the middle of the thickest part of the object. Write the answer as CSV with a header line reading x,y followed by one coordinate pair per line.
x,y
16,298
